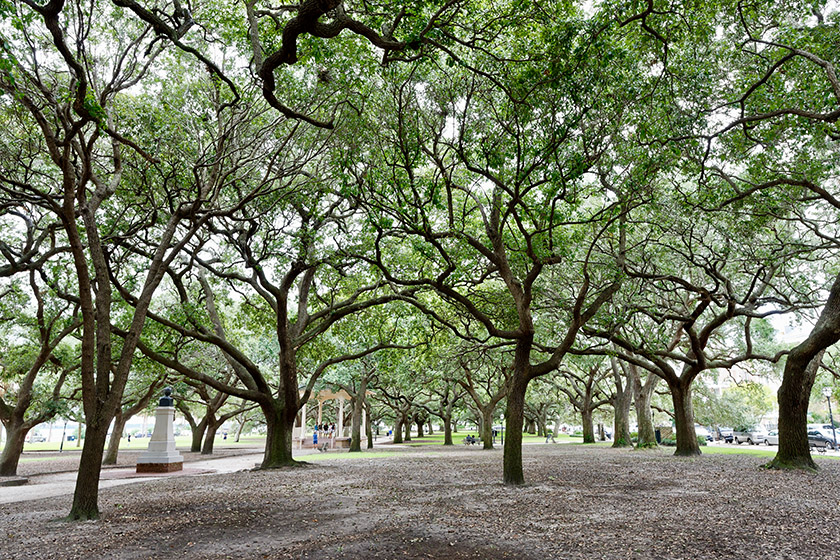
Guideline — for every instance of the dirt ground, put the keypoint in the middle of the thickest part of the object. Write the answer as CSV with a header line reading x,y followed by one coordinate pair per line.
x,y
579,502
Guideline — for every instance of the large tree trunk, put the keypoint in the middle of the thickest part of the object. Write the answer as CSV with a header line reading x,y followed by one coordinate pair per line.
x,y
621,424
623,399
357,407
198,435
86,496
797,382
398,430
278,443
514,420
15,438
210,438
531,426
588,425
407,424
687,445
447,429
120,421
794,395
644,418
480,423
420,424
487,426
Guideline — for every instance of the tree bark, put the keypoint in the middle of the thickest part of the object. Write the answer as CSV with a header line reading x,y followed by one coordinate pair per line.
x,y
644,419
15,438
210,437
197,436
243,421
514,419
479,412
687,445
357,407
487,427
120,421
278,443
447,430
86,497
588,425
622,401
407,424
794,395
621,425
797,382
398,431
531,426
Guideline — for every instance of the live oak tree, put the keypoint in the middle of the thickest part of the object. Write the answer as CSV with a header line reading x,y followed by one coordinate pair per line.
x,y
704,296
763,99
581,383
491,177
622,400
325,39
283,247
37,363
485,377
105,179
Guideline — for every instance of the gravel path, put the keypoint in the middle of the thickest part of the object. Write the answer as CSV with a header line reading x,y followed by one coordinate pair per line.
x,y
580,502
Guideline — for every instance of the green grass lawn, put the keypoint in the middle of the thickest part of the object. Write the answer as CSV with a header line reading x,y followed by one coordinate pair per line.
x,y
759,451
344,455
458,439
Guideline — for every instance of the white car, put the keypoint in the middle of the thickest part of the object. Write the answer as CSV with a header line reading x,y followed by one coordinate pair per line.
x,y
752,436
772,438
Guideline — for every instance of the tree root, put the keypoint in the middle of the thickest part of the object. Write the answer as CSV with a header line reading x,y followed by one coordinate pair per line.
x,y
801,464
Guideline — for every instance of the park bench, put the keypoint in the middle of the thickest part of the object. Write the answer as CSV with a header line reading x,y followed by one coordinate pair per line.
x,y
470,441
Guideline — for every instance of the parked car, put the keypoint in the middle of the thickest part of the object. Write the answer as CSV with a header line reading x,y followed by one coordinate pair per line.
x,y
772,438
752,435
817,438
37,438
724,434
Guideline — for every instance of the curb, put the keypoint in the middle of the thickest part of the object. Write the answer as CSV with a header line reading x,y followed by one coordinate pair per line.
x,y
13,481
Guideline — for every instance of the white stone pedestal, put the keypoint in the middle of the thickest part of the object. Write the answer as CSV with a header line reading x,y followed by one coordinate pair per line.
x,y
162,455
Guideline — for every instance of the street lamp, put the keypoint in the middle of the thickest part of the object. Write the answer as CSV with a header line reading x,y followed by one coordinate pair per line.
x,y
827,393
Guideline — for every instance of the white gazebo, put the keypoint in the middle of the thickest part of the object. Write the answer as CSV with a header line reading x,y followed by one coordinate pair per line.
x,y
300,430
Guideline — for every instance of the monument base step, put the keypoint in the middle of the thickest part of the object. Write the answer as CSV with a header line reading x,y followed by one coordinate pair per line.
x,y
159,467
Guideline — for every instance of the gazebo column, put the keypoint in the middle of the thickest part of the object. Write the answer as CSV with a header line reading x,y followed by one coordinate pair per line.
x,y
303,421
320,411
341,416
